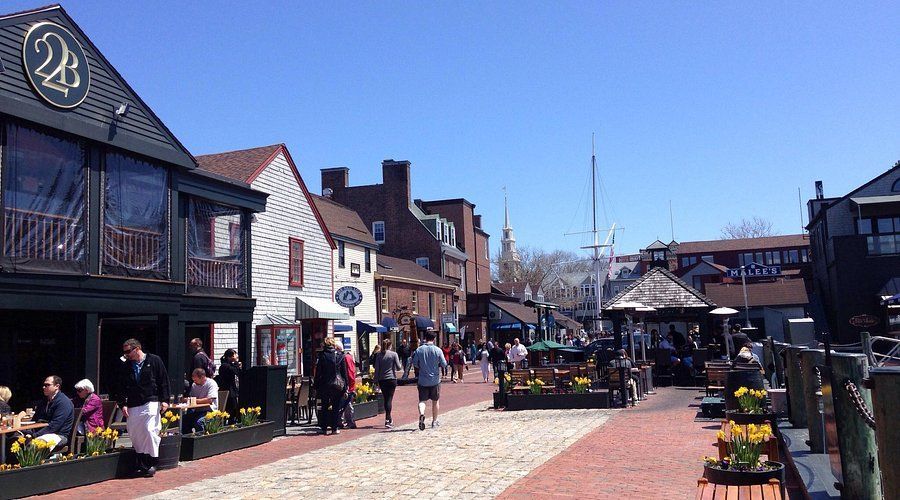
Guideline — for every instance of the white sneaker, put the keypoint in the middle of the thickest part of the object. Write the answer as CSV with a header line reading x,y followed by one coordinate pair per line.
x,y
435,424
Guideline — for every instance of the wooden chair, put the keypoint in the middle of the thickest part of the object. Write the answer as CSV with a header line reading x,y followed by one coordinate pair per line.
x,y
615,386
547,376
74,443
108,409
311,404
711,491
303,400
715,379
222,403
291,400
519,380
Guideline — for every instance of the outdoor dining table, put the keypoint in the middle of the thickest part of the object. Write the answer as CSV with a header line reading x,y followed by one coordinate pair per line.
x,y
9,430
182,407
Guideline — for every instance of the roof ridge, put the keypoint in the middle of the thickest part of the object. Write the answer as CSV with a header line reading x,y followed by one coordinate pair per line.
x,y
239,150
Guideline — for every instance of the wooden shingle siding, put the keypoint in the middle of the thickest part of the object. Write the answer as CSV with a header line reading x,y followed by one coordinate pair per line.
x,y
288,215
366,311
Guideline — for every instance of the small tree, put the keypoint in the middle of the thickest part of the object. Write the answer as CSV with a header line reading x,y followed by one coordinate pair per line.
x,y
756,227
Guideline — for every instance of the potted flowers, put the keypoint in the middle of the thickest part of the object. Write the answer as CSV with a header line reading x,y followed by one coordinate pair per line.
x,y
500,395
741,464
170,441
536,386
37,472
365,405
580,385
752,407
217,437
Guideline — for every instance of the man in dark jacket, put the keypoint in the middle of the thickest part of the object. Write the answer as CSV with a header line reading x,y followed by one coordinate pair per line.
x,y
57,410
229,379
497,357
145,391
331,385
201,359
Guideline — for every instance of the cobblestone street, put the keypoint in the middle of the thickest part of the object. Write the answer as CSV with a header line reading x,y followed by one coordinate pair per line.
x,y
476,453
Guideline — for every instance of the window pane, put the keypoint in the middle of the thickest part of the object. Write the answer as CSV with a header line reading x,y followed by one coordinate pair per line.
x,y
214,261
864,226
886,244
885,225
870,244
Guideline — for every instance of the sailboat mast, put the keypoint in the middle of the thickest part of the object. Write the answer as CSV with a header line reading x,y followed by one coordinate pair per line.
x,y
598,323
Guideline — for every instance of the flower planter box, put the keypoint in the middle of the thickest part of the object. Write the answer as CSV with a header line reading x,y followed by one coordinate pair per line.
x,y
195,447
588,400
742,418
744,478
55,476
169,452
368,409
499,400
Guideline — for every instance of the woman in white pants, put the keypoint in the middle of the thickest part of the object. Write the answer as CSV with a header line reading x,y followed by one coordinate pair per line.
x,y
485,364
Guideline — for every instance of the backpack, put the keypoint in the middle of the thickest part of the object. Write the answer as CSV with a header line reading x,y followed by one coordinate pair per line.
x,y
210,367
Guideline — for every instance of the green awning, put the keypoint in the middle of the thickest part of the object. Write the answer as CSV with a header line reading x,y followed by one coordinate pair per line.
x,y
450,328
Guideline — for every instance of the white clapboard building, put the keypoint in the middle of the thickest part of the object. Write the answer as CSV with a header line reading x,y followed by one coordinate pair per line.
x,y
291,256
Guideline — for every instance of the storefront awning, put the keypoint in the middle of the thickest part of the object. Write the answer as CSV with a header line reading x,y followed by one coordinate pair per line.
x,y
389,323
511,326
343,328
274,319
450,328
365,327
316,308
422,323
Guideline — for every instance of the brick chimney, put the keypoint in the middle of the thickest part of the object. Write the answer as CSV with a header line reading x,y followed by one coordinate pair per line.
x,y
476,219
335,178
395,175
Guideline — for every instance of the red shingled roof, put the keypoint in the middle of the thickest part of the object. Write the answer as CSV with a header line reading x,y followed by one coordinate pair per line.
x,y
342,221
788,240
392,267
782,292
242,164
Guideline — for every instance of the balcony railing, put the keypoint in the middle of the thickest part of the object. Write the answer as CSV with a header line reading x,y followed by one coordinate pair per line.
x,y
133,249
214,273
35,235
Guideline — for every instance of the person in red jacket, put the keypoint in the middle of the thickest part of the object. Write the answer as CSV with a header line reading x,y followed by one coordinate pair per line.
x,y
351,392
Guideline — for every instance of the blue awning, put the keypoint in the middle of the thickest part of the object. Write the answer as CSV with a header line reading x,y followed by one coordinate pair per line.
x,y
423,323
510,326
363,327
450,328
343,328
389,322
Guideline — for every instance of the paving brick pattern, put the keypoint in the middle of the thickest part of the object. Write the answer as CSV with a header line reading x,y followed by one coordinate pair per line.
x,y
475,453
649,452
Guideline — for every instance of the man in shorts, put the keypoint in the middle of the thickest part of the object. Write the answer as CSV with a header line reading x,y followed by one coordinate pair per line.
x,y
429,360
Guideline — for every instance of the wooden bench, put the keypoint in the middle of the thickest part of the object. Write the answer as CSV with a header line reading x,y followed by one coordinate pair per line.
x,y
715,379
519,380
712,491
547,376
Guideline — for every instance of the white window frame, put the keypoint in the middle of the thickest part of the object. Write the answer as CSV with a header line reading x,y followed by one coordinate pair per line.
x,y
383,231
384,300
453,236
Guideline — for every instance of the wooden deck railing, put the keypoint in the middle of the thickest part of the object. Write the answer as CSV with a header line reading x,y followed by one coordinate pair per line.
x,y
215,273
132,248
35,235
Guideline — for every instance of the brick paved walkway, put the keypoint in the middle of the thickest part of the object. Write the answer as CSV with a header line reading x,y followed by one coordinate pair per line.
x,y
453,396
649,452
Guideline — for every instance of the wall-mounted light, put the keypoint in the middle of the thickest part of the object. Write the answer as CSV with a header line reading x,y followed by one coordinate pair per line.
x,y
123,110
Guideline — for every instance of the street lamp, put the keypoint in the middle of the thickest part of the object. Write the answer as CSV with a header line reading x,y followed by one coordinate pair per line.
x,y
746,302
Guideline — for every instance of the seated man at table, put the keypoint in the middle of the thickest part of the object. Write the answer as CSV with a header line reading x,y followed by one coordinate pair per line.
x,y
206,390
666,344
621,361
57,411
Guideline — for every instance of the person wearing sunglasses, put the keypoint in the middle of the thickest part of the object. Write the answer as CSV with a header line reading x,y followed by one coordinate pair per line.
x,y
57,410
145,394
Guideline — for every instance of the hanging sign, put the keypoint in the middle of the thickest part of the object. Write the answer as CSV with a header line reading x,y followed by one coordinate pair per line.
x,y
56,65
753,270
864,321
348,296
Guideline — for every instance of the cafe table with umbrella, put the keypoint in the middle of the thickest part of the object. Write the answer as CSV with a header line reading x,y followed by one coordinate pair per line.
x,y
725,312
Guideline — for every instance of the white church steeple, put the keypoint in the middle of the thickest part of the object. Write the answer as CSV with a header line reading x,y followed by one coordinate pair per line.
x,y
510,262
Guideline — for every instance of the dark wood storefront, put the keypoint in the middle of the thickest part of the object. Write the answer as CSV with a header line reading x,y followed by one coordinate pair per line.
x,y
108,230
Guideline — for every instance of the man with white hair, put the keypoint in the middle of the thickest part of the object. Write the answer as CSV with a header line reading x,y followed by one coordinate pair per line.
x,y
518,353
145,392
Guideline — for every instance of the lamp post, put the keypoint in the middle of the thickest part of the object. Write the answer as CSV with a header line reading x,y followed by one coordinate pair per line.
x,y
746,302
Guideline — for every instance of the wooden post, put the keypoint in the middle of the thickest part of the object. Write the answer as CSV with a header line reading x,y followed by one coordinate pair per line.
x,y
809,360
885,385
859,460
796,401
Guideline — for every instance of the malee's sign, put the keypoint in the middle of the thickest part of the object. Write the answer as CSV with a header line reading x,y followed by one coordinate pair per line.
x,y
348,296
56,65
753,270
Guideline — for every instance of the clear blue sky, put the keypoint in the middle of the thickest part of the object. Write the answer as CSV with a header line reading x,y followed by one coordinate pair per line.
x,y
724,109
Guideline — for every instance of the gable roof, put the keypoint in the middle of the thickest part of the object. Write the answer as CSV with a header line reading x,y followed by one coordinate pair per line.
x,y
661,289
782,292
407,270
245,165
513,288
139,131
517,310
658,245
735,245
834,201
714,268
343,222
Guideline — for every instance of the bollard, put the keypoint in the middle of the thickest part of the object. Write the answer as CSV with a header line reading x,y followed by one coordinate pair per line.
x,y
794,379
885,385
856,440
812,392
778,358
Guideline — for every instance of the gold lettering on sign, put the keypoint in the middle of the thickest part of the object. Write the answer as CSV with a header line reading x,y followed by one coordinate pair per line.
x,y
57,79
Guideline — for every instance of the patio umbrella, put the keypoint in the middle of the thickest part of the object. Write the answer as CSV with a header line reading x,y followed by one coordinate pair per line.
x,y
628,305
545,345
724,311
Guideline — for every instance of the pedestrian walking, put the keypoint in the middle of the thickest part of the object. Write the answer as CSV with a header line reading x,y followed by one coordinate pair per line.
x,y
350,396
497,356
145,393
459,362
403,352
484,356
429,361
331,384
446,351
387,362
229,379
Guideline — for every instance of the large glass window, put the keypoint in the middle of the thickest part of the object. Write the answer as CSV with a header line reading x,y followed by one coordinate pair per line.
x,y
295,258
215,262
342,258
278,345
44,181
135,218
378,231
882,234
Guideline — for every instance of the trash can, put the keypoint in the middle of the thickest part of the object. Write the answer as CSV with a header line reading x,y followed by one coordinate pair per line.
x,y
265,386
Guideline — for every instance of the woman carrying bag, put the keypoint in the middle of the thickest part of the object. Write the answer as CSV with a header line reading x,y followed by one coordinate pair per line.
x,y
331,385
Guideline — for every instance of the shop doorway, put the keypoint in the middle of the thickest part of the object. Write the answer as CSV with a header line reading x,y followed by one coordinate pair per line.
x,y
113,333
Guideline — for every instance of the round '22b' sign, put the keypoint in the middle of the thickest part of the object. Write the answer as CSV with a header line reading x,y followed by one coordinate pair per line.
x,y
56,65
